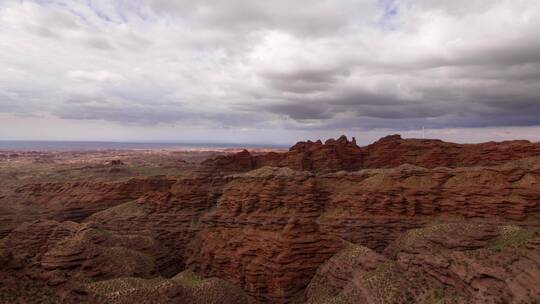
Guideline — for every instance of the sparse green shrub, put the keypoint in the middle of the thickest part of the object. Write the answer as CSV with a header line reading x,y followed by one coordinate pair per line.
x,y
511,235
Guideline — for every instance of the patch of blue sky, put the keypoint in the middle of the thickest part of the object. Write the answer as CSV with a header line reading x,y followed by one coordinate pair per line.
x,y
389,12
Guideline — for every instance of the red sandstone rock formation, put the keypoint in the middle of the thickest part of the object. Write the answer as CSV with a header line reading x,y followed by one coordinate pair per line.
x,y
333,155
269,230
87,195
392,151
170,216
73,201
449,263
116,162
369,207
388,152
185,287
84,263
66,255
264,237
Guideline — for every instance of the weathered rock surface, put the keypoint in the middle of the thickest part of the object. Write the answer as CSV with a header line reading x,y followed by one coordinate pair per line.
x,y
333,155
76,201
267,230
171,217
487,264
442,263
388,152
185,287
371,207
72,201
66,254
267,222
392,151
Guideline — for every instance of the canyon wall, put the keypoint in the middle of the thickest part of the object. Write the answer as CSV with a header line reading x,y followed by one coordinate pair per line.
x,y
273,224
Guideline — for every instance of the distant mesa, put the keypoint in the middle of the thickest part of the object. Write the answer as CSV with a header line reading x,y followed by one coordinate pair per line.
x,y
116,162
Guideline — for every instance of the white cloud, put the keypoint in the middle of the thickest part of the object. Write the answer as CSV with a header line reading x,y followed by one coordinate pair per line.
x,y
99,76
303,66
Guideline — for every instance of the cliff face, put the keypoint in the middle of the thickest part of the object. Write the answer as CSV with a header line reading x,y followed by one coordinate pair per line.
x,y
269,219
371,207
76,201
71,201
269,229
66,255
84,263
388,152
333,155
392,151
171,217
319,218
263,236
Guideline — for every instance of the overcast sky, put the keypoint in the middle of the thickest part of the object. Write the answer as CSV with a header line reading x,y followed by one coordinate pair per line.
x,y
269,71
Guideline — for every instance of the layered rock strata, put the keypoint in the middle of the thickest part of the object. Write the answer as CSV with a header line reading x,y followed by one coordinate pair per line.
x,y
268,230
442,263
388,152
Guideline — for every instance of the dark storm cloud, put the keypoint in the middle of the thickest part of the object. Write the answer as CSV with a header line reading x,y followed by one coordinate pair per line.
x,y
267,64
134,114
515,52
304,81
126,111
151,115
313,76
359,104
356,97
301,111
500,54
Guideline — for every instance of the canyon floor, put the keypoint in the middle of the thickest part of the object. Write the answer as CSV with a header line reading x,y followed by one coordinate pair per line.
x,y
396,221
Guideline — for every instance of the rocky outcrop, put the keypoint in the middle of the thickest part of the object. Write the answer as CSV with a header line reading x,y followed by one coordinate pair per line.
x,y
80,199
368,207
272,266
263,235
487,264
269,229
333,155
335,278
392,151
116,162
444,263
82,263
372,207
237,162
185,287
388,152
72,201
65,255
171,216
269,226
269,244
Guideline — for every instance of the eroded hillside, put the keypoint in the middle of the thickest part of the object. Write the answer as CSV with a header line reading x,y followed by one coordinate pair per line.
x,y
398,221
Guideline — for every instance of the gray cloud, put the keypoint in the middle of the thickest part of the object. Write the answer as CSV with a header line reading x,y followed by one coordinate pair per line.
x,y
341,64
304,81
99,43
137,115
301,17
